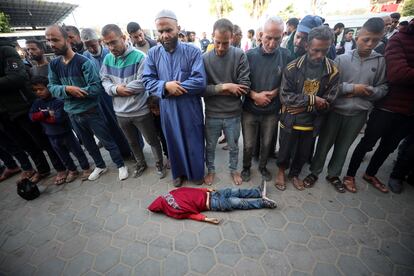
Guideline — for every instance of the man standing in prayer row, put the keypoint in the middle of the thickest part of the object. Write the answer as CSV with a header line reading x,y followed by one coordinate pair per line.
x,y
174,72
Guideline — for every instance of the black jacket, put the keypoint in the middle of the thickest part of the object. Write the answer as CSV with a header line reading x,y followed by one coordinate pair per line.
x,y
293,98
16,96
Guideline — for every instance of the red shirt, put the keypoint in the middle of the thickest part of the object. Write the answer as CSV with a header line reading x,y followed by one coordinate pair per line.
x,y
182,203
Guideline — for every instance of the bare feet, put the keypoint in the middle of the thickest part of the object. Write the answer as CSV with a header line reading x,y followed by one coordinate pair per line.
x,y
298,183
280,180
236,178
209,178
212,220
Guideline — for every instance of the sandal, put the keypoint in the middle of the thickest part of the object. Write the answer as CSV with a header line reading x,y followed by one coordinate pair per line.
x,y
337,183
72,175
27,174
36,177
349,183
7,173
310,180
376,183
61,178
280,186
297,183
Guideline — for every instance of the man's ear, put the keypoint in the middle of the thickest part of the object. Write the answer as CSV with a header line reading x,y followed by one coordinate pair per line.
x,y
179,28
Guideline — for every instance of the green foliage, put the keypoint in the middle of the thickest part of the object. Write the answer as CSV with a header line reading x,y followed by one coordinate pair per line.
x,y
221,8
288,12
256,8
408,8
4,23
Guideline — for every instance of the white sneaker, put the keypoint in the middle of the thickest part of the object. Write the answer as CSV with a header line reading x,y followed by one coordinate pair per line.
x,y
123,173
97,172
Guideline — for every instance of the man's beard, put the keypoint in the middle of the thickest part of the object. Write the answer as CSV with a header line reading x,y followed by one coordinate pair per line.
x,y
36,58
62,51
299,51
171,44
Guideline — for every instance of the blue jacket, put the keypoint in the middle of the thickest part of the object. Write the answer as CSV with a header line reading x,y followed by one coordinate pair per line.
x,y
57,124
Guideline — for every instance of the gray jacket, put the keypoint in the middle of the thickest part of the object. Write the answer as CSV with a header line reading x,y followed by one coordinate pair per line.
x,y
370,71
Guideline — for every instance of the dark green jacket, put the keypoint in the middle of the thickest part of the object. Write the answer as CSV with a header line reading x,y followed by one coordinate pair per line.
x,y
15,95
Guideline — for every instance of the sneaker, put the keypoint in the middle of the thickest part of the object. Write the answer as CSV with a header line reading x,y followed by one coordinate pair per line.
x,y
139,169
268,203
265,174
245,174
262,188
161,169
178,182
97,172
123,173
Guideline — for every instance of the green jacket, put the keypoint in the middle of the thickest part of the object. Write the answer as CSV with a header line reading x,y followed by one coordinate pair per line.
x,y
16,96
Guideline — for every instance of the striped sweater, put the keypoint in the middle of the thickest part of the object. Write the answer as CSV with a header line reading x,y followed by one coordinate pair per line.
x,y
80,72
126,69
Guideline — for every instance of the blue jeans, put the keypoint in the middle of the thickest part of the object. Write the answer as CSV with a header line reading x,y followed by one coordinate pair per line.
x,y
86,125
231,129
66,143
235,198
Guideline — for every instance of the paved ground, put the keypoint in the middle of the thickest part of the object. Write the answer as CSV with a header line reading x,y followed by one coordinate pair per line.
x,y
103,227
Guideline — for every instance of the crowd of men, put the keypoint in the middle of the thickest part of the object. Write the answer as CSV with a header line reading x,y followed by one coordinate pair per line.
x,y
297,83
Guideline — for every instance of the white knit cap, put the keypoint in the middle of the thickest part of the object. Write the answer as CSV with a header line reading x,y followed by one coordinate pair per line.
x,y
166,14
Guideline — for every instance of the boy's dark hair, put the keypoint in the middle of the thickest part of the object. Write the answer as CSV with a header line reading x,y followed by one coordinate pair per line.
x,y
374,25
154,100
39,80
38,43
349,30
109,28
223,25
70,28
321,33
395,15
293,22
133,27
339,26
251,31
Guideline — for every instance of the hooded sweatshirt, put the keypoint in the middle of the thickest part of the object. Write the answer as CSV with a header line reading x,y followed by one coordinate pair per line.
x,y
370,71
182,203
126,69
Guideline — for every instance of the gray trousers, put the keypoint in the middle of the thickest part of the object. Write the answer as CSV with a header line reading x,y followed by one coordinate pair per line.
x,y
250,124
145,124
340,132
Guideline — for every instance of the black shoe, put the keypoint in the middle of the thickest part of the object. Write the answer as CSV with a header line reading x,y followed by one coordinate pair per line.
x,y
139,169
268,203
161,169
178,182
245,174
265,174
395,185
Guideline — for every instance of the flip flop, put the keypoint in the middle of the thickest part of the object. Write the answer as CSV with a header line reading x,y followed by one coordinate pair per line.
x,y
349,183
61,178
